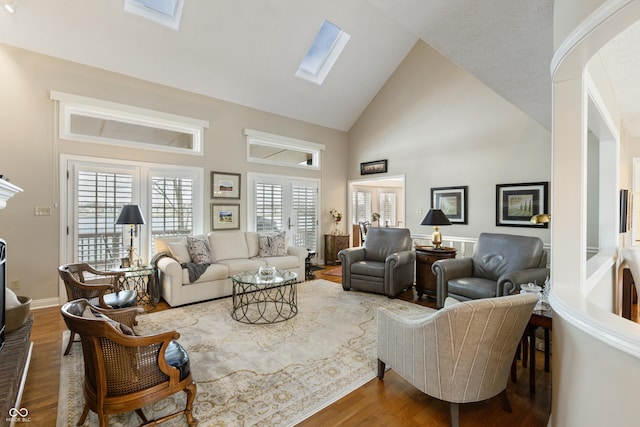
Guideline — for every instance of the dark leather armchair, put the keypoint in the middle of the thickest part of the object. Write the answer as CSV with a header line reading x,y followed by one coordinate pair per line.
x,y
499,265
384,265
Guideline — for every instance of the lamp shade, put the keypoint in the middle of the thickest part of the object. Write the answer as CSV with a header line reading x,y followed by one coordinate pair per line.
x,y
130,214
435,217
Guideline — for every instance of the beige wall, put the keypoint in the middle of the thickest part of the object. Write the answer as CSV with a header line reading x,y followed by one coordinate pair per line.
x,y
31,150
441,127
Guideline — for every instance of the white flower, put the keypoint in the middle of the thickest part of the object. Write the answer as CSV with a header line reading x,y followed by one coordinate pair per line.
x,y
337,215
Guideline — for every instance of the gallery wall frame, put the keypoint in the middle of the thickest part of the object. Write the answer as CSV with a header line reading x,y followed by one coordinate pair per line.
x,y
225,185
225,216
517,203
452,201
377,166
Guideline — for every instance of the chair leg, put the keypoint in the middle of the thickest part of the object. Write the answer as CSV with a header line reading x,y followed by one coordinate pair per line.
x,y
454,407
72,337
83,417
504,400
191,395
381,368
142,416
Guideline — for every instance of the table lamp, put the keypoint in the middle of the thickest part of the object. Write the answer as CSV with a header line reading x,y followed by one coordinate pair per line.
x,y
541,219
436,218
131,215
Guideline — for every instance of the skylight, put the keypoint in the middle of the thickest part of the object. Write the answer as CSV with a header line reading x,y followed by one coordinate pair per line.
x,y
323,53
165,12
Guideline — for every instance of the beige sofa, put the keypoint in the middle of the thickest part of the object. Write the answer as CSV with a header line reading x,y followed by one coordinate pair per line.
x,y
233,252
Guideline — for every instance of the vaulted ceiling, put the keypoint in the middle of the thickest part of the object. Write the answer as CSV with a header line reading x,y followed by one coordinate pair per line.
x,y
247,52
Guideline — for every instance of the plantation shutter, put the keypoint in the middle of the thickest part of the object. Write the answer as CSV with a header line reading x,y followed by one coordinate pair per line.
x,y
171,206
99,198
305,207
362,201
388,209
269,203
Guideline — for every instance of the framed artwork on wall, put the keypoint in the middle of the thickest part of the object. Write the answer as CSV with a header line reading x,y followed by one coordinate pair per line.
x,y
452,201
517,203
378,166
225,217
225,185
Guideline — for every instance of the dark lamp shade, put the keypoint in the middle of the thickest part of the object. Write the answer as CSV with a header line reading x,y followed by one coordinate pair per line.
x,y
130,214
435,217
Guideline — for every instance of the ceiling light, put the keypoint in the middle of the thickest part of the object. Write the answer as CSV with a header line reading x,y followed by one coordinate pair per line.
x,y
10,5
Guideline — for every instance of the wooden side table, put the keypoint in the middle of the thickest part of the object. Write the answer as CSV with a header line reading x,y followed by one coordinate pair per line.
x,y
334,243
425,278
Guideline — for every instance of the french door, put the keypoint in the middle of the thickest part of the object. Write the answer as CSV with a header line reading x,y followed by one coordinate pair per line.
x,y
278,203
94,193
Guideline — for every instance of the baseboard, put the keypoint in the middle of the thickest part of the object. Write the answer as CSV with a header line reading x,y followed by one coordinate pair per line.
x,y
46,302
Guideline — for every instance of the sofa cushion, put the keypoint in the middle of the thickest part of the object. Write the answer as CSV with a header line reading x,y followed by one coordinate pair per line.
x,y
244,264
199,250
472,287
368,268
179,251
252,243
213,272
228,245
281,262
272,244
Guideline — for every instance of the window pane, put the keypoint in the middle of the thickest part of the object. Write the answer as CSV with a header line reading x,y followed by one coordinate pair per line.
x,y
362,203
388,209
100,197
269,206
304,205
171,207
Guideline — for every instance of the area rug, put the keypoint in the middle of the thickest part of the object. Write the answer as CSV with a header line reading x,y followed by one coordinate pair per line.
x,y
258,375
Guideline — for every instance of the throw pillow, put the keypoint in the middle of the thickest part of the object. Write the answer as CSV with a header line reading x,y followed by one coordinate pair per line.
x,y
180,252
272,244
199,250
91,313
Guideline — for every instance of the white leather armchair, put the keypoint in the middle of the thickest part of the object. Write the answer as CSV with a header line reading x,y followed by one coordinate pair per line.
x,y
461,353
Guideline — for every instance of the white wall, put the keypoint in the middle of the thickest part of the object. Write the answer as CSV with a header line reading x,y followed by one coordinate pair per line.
x,y
596,353
441,127
30,151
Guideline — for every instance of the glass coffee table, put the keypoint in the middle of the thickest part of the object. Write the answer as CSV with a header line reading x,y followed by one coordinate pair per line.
x,y
264,296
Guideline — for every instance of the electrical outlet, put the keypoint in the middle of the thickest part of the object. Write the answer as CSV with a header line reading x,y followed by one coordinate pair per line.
x,y
420,211
15,284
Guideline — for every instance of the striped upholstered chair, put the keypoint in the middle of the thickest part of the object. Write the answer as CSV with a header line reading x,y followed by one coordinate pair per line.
x,y
461,353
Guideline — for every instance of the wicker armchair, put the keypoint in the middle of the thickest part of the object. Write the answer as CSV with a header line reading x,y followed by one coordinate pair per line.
x,y
73,276
125,372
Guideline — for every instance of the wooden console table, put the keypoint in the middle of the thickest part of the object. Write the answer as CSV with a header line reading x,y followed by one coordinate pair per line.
x,y
425,279
14,364
334,243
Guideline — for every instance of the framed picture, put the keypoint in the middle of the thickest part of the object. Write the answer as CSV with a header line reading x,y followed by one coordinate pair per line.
x,y
124,263
225,217
379,166
225,185
452,201
517,203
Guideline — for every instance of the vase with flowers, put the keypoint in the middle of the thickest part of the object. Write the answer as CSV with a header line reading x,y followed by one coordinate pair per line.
x,y
337,217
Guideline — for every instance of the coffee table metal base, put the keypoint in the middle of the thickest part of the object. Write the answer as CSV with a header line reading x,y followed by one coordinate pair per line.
x,y
259,304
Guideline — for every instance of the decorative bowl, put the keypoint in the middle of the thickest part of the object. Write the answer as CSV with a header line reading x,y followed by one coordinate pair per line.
x,y
15,317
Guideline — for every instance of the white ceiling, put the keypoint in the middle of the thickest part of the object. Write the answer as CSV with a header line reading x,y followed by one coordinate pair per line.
x,y
247,51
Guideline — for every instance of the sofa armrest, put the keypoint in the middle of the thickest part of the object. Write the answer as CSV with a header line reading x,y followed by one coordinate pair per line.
x,y
399,259
447,269
509,283
347,257
170,270
301,253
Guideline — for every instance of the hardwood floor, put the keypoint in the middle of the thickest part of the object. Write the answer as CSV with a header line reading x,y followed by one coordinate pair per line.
x,y
377,403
